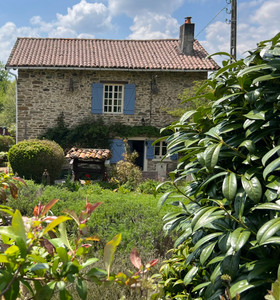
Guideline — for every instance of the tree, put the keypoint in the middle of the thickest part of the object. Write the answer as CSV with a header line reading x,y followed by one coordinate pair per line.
x,y
190,100
8,113
7,99
229,219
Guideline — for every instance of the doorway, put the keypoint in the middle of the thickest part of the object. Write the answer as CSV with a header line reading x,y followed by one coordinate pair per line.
x,y
139,147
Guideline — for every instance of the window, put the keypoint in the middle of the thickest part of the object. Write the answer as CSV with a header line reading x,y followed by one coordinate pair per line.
x,y
160,149
113,98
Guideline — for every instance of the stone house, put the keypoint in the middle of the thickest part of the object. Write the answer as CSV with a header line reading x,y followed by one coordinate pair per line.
x,y
128,81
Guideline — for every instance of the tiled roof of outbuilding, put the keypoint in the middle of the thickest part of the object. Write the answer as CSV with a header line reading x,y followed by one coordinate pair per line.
x,y
108,54
89,154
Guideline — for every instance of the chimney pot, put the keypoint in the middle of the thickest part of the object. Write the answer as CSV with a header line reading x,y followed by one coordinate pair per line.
x,y
188,20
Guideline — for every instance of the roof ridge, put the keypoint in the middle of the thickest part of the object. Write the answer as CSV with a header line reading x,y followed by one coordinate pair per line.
x,y
87,39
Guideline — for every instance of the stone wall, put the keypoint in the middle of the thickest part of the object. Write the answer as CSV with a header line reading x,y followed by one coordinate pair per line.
x,y
44,94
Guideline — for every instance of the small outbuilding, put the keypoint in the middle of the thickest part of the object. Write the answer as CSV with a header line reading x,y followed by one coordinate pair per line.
x,y
88,163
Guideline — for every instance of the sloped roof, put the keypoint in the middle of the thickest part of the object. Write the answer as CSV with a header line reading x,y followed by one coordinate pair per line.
x,y
108,54
89,154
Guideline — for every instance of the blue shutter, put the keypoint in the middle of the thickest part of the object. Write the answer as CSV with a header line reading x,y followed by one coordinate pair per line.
x,y
117,148
129,99
150,150
97,98
174,157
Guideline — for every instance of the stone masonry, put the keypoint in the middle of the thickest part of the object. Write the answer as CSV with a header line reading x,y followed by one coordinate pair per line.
x,y
44,94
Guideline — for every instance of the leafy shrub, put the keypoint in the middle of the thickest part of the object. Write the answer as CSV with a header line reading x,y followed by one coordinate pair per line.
x,y
6,142
30,158
229,218
150,186
126,172
134,215
3,157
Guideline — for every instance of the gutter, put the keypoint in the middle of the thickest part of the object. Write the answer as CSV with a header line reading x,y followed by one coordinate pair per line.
x,y
110,69
9,72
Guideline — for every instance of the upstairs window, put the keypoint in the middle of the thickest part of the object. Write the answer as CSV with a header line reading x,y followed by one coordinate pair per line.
x,y
113,98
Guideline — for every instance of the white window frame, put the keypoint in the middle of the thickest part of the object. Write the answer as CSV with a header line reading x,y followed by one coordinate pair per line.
x,y
160,145
113,98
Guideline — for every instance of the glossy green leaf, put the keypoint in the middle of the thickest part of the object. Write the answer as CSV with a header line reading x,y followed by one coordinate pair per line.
x,y
162,199
252,187
64,235
109,251
62,253
268,230
206,239
183,237
269,154
249,145
229,187
200,286
239,204
256,115
190,275
271,167
89,262
211,155
206,252
239,237
273,206
55,223
216,273
242,286
39,266
81,289
18,225
202,215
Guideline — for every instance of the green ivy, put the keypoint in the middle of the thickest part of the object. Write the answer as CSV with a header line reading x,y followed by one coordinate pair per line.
x,y
95,133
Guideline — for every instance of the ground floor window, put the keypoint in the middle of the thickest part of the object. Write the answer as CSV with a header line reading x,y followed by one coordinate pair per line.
x,y
160,149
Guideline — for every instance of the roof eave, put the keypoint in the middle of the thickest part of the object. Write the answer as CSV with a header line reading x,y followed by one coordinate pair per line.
x,y
107,69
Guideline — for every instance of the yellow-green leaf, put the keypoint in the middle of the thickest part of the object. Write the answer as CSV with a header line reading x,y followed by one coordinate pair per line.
x,y
54,223
109,251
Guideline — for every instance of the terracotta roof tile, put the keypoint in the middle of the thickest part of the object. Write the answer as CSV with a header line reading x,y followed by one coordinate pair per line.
x,y
108,54
89,154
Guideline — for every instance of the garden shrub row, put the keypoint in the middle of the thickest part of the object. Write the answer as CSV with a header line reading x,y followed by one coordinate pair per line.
x,y
133,214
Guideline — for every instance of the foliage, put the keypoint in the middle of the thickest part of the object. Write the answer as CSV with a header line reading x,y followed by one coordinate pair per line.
x,y
8,112
7,99
38,259
229,218
88,133
126,172
134,215
149,186
6,142
30,158
190,100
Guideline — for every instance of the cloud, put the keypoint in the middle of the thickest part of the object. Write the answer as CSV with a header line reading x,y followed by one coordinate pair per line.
x,y
154,26
87,18
257,20
8,34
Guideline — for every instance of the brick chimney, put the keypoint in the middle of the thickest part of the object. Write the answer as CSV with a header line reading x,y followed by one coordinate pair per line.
x,y
186,37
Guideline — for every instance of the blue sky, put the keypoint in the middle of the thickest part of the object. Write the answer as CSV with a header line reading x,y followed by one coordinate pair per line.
x,y
137,19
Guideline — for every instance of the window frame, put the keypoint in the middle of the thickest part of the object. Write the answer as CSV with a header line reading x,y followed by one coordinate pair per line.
x,y
113,85
160,145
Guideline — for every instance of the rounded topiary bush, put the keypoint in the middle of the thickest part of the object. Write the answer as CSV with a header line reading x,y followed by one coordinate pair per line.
x,y
30,158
